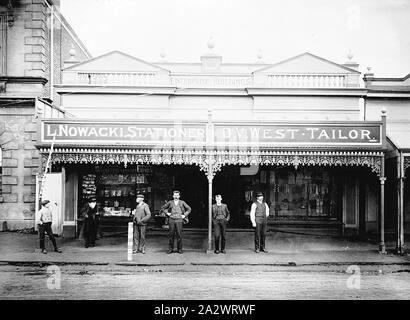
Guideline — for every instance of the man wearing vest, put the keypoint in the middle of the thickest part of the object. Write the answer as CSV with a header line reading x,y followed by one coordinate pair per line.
x,y
220,215
177,211
141,215
259,218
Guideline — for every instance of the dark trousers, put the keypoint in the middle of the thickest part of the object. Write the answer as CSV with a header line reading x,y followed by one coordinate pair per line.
x,y
97,228
175,230
43,228
260,235
90,232
220,234
139,237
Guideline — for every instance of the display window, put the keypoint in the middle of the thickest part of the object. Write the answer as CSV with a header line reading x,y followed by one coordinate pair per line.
x,y
295,194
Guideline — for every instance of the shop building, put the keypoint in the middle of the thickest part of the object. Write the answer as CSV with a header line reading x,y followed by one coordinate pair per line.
x,y
295,130
34,41
393,95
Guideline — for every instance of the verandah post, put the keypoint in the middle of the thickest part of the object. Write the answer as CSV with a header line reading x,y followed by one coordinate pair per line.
x,y
210,179
382,245
400,203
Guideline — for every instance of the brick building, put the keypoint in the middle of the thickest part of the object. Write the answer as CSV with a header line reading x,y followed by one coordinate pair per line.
x,y
35,40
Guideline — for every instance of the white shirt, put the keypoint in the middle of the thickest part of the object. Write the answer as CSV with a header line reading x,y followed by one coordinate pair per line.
x,y
45,215
253,209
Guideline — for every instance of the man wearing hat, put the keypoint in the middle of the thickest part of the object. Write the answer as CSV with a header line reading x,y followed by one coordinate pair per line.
x,y
91,216
44,222
259,218
141,216
177,211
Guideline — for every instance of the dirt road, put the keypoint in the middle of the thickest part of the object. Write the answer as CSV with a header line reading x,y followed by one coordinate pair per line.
x,y
211,282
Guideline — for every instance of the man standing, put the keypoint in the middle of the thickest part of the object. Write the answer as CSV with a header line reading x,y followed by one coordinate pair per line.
x,y
90,215
177,211
259,218
141,216
44,222
221,216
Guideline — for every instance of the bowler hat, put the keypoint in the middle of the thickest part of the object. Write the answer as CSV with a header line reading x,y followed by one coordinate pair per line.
x,y
139,195
44,202
92,199
259,194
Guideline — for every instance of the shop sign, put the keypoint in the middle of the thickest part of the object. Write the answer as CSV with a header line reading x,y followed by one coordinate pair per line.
x,y
128,133
285,135
223,134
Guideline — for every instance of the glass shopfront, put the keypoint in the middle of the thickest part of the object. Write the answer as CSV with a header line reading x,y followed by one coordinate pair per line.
x,y
306,193
302,194
116,187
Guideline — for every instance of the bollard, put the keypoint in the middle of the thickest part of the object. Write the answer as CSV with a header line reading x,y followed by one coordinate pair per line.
x,y
130,241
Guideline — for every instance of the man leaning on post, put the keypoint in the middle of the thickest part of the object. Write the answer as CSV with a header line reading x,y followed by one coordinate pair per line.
x,y
259,218
44,222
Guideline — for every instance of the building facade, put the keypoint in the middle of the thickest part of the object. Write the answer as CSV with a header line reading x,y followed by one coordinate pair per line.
x,y
295,130
393,95
34,41
327,149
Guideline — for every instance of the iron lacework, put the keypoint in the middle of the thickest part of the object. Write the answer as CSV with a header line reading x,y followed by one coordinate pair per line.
x,y
211,161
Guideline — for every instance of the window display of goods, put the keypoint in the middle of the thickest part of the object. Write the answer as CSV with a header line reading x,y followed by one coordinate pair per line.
x,y
89,188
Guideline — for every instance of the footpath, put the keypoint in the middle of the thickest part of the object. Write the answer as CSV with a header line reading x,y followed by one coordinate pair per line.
x,y
285,249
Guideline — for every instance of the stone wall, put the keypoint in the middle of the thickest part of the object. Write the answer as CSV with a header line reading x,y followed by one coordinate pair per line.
x,y
20,165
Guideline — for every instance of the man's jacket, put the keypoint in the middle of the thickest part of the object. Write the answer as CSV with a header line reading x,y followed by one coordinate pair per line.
x,y
142,214
224,212
185,209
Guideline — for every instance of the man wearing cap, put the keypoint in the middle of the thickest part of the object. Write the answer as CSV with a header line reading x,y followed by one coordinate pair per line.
x,y
141,216
90,215
221,216
177,211
259,218
44,222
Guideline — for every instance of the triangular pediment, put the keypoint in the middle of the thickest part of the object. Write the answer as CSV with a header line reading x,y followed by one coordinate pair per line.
x,y
306,63
116,61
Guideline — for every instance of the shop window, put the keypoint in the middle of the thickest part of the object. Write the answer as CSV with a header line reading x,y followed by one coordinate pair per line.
x,y
303,193
115,188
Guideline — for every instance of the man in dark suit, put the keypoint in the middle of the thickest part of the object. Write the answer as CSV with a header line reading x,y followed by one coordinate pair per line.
x,y
91,216
221,216
177,211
